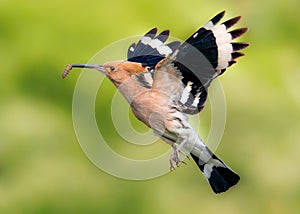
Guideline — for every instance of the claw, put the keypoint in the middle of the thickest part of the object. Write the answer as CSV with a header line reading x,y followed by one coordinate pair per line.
x,y
172,167
174,157
183,153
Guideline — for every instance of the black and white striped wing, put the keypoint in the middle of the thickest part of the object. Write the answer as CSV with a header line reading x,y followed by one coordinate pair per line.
x,y
151,48
148,51
204,56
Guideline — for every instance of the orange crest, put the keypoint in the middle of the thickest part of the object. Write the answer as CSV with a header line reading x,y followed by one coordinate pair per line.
x,y
133,67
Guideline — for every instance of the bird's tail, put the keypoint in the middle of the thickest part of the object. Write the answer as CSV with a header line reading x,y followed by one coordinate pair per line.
x,y
218,174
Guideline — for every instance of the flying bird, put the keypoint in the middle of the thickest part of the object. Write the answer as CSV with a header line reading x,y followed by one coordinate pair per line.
x,y
165,82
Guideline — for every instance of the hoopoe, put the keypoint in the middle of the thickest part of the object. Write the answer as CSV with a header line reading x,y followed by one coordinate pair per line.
x,y
165,82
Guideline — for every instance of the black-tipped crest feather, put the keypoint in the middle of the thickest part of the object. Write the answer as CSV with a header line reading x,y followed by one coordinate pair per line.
x,y
229,23
218,17
238,32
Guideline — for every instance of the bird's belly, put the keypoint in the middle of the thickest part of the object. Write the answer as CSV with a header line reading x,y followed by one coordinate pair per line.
x,y
152,111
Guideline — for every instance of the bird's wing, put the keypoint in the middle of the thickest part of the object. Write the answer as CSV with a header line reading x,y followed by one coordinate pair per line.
x,y
151,48
201,58
148,51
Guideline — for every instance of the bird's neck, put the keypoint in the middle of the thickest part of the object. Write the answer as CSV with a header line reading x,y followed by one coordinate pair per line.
x,y
131,89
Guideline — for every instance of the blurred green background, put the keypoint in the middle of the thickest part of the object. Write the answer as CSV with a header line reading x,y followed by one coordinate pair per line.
x,y
42,167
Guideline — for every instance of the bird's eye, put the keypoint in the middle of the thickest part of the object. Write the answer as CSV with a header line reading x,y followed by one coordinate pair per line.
x,y
112,68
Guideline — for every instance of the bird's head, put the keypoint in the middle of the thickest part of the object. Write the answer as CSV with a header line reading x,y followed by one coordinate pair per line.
x,y
120,71
117,71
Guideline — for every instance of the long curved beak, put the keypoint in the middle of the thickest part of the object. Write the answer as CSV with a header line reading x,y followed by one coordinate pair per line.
x,y
90,66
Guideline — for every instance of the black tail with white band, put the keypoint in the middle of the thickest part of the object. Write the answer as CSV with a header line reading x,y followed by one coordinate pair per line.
x,y
218,174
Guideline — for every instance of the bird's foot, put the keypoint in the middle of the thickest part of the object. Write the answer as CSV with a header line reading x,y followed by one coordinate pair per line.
x,y
175,160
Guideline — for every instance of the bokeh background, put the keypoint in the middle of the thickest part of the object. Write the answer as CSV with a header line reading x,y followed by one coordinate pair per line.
x,y
42,166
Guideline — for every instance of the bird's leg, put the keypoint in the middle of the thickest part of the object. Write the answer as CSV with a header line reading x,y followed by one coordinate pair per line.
x,y
180,151
174,157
